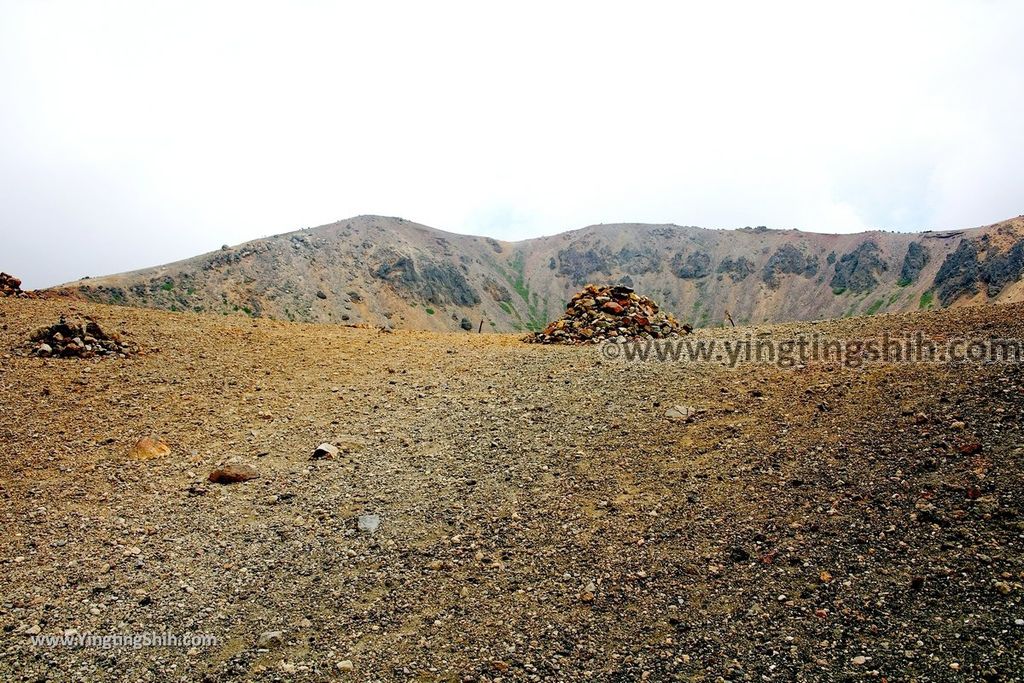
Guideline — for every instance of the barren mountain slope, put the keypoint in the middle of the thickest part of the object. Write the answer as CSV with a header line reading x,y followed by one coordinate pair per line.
x,y
388,271
540,517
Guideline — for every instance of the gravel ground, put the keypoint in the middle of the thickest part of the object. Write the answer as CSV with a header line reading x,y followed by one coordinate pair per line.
x,y
540,518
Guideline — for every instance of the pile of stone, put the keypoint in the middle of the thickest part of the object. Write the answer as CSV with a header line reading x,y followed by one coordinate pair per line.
x,y
597,314
78,339
10,286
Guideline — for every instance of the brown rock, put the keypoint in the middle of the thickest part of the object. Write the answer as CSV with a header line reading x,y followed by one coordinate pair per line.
x,y
611,307
233,474
148,448
971,448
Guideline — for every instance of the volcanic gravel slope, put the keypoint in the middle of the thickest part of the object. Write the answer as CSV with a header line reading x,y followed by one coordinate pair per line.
x,y
540,517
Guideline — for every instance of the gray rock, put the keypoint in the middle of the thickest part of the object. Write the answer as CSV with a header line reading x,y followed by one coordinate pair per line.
x,y
271,639
681,412
368,523
325,450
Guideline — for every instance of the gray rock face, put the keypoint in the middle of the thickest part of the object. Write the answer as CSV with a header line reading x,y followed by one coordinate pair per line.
x,y
737,268
693,266
438,283
443,284
913,263
977,262
578,264
958,274
859,270
638,260
788,260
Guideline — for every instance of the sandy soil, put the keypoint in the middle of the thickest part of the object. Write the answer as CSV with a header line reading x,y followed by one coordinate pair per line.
x,y
540,517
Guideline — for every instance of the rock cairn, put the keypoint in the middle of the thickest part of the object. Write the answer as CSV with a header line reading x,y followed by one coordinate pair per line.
x,y
79,339
11,286
597,314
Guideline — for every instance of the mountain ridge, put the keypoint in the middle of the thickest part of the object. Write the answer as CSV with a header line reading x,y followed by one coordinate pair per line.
x,y
393,272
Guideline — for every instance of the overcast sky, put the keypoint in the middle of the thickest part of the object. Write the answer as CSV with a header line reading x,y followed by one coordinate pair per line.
x,y
137,133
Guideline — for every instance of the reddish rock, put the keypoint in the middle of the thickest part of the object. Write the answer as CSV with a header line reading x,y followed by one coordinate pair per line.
x,y
611,307
233,474
971,448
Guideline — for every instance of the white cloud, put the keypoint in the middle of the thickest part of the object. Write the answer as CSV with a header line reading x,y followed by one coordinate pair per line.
x,y
136,133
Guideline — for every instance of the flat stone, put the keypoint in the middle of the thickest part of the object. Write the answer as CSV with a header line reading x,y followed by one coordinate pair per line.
x,y
368,523
233,474
681,412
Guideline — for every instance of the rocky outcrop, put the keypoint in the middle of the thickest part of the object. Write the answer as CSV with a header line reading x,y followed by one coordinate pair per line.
x,y
692,266
637,260
397,269
444,283
438,283
496,290
579,264
788,260
975,263
737,269
916,259
859,270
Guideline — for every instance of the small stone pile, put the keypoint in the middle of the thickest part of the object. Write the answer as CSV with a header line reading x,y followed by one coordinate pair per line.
x,y
80,339
597,314
11,286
